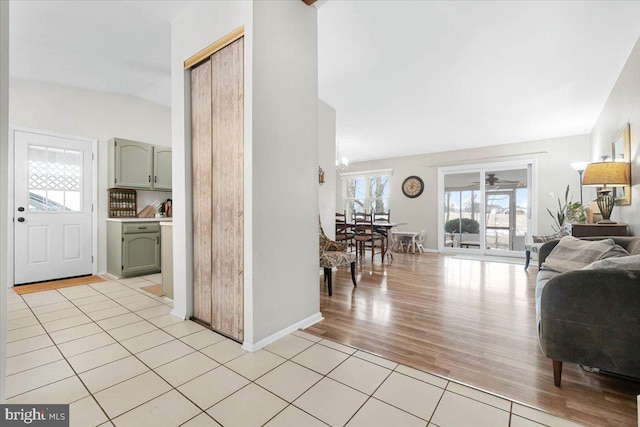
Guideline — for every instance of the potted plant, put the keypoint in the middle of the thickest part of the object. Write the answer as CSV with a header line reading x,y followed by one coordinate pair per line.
x,y
570,211
576,213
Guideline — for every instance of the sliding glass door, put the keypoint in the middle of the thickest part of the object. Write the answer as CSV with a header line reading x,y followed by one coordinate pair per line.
x,y
486,209
507,209
462,210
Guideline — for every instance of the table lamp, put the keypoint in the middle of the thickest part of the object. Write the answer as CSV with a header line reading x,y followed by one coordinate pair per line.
x,y
606,174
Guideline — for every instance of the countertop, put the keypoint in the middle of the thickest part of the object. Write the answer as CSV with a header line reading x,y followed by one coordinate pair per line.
x,y
166,223
139,219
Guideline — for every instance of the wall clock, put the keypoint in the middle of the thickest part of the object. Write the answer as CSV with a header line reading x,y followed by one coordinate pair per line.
x,y
413,186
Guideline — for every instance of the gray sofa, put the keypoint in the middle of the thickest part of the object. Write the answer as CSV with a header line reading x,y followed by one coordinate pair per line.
x,y
590,317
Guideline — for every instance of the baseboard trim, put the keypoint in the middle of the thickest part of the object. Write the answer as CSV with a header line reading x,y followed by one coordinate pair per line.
x,y
179,315
304,323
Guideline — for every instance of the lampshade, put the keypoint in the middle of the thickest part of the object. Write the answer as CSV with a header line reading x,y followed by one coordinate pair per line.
x,y
612,174
579,166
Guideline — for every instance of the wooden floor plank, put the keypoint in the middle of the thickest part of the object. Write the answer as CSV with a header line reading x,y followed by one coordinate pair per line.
x,y
471,321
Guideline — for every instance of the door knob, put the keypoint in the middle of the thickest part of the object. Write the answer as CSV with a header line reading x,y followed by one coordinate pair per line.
x,y
20,209
20,219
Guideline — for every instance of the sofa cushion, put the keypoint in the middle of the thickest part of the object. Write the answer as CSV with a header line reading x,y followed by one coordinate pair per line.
x,y
541,280
615,252
548,237
573,254
631,262
634,247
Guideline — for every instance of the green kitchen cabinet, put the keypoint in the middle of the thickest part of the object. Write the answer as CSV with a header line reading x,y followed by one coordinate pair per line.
x,y
162,168
135,164
133,248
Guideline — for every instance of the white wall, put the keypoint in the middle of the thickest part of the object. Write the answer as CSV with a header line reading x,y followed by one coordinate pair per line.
x,y
554,170
327,160
91,114
201,25
280,146
622,107
4,167
285,167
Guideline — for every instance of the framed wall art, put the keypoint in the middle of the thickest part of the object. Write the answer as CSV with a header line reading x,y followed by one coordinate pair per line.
x,y
621,152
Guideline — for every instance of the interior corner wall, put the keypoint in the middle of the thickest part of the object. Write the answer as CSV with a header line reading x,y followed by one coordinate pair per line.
x,y
92,114
327,160
198,27
622,107
285,167
554,174
4,183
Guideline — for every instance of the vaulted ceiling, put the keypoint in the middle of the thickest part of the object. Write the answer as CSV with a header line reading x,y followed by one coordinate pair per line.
x,y
113,46
405,77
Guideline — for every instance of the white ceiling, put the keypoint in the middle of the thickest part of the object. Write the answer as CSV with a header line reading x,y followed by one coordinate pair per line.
x,y
409,77
113,46
405,77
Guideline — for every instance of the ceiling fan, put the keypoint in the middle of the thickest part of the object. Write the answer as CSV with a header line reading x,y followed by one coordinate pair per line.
x,y
491,180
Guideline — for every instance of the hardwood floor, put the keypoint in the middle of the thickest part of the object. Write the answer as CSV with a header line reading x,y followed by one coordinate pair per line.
x,y
471,321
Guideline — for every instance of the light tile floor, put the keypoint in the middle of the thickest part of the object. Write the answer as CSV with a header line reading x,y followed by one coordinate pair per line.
x,y
118,357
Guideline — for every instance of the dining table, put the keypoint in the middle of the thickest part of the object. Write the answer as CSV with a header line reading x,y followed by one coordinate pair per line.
x,y
407,235
380,224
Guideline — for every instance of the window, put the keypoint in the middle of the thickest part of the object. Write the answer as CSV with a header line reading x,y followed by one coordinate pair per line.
x,y
54,179
366,191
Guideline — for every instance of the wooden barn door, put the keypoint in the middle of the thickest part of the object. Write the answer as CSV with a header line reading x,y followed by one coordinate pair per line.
x,y
217,97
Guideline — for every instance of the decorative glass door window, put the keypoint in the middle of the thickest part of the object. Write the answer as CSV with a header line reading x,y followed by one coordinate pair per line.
x,y
54,179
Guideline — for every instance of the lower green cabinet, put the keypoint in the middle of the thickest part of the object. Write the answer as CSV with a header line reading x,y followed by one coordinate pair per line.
x,y
133,248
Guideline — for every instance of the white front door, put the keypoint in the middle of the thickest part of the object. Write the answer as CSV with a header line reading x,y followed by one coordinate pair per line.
x,y
52,207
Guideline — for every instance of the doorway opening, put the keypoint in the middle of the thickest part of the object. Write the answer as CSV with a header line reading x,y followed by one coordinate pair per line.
x,y
486,209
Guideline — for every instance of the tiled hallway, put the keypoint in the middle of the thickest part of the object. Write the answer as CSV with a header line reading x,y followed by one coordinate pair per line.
x,y
118,357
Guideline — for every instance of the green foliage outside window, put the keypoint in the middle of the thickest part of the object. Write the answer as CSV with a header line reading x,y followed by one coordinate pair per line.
x,y
467,225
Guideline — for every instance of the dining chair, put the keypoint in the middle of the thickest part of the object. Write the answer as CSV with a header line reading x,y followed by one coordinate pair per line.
x,y
420,241
395,242
382,216
365,235
343,230
449,239
384,232
404,243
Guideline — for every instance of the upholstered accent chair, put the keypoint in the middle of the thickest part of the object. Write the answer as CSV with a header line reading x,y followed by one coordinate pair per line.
x,y
334,254
536,243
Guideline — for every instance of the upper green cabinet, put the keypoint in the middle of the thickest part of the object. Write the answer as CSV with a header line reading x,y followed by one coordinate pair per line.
x,y
132,165
161,168
138,165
